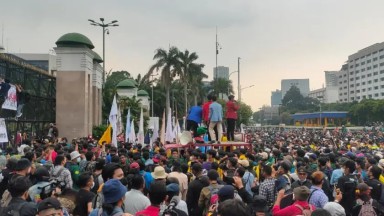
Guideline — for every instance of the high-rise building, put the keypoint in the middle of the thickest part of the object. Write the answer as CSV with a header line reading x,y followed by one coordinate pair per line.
x,y
362,77
276,98
331,78
221,72
302,84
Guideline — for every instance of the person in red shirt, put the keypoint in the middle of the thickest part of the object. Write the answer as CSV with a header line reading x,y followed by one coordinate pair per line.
x,y
157,195
301,196
231,116
206,114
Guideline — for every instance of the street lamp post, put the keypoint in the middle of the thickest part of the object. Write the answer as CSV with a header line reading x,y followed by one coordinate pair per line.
x,y
320,98
152,92
229,79
238,79
104,26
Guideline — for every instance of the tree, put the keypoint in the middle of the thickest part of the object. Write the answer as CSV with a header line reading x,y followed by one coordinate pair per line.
x,y
167,63
110,90
293,100
186,63
222,86
244,113
196,82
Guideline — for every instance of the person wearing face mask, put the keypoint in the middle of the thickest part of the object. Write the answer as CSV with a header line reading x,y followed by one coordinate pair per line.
x,y
74,168
18,188
303,181
84,197
114,195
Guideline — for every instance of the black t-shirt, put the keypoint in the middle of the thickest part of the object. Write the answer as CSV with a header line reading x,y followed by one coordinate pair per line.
x,y
83,197
376,188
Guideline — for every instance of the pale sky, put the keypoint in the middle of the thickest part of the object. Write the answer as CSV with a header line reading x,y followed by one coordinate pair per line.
x,y
276,39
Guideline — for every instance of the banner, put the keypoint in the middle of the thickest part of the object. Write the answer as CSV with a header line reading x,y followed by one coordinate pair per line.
x,y
10,102
3,131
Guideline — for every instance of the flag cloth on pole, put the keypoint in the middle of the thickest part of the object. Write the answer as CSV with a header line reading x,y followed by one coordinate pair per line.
x,y
119,122
162,131
177,131
106,135
140,134
113,121
132,135
128,125
169,132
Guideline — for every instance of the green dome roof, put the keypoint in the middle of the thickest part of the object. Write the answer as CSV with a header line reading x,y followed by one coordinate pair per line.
x,y
74,39
126,84
96,57
142,93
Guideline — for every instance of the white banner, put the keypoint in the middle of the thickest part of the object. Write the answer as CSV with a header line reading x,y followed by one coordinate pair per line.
x,y
3,131
10,102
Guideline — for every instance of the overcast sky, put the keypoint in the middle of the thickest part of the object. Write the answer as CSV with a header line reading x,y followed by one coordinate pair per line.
x,y
276,39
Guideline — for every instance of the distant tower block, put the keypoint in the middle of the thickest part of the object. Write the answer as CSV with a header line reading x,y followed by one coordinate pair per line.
x,y
78,86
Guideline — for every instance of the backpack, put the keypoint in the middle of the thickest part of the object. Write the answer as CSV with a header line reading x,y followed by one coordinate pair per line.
x,y
214,194
367,209
381,200
305,211
14,211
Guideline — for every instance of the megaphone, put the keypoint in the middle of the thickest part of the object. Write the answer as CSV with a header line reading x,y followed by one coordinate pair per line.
x,y
186,137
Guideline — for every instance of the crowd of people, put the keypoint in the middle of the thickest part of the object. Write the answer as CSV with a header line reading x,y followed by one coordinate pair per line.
x,y
287,171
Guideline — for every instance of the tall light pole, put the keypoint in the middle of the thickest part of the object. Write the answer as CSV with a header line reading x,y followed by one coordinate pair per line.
x,y
229,79
152,75
238,79
105,30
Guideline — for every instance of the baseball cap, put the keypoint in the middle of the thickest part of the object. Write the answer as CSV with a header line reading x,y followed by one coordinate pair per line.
x,y
134,165
156,158
173,187
48,203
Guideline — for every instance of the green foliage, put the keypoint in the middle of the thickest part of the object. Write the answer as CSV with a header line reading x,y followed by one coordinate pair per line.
x,y
222,86
110,90
97,131
244,113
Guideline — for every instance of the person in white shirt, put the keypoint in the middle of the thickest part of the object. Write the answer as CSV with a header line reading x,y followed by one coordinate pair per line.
x,y
135,200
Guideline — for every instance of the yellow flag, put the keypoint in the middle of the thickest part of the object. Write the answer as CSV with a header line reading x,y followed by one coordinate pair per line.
x,y
106,136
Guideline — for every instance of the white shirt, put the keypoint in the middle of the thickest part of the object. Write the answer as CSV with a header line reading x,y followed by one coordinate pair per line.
x,y
135,201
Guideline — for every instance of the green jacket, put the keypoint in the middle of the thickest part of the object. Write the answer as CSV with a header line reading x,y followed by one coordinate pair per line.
x,y
75,173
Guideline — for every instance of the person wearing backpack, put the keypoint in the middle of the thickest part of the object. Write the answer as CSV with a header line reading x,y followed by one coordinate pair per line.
x,y
374,173
365,205
114,194
210,192
299,207
347,185
18,188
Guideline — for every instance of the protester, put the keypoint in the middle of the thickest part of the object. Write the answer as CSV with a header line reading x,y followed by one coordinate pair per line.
x,y
114,194
231,115
215,120
84,197
194,118
298,207
135,200
157,195
317,196
50,206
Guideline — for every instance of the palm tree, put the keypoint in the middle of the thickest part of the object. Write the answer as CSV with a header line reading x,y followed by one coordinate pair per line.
x,y
196,82
167,63
221,85
186,63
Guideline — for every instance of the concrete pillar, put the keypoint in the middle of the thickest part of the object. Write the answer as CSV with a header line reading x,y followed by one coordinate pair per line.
x,y
74,91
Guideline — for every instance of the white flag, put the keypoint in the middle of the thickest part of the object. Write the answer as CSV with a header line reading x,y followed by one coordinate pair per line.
x,y
140,135
128,125
169,132
132,135
113,121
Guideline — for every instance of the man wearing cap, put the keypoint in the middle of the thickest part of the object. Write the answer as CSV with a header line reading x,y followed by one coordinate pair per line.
x,y
248,177
303,181
365,204
74,168
49,206
301,196
159,174
173,198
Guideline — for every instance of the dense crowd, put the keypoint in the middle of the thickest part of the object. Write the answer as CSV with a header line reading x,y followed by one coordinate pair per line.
x,y
284,172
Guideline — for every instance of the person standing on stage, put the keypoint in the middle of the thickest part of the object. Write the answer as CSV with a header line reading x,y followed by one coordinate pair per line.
x,y
231,116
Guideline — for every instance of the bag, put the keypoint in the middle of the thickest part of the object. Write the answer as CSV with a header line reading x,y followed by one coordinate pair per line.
x,y
367,209
6,199
14,211
306,211
214,194
381,200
